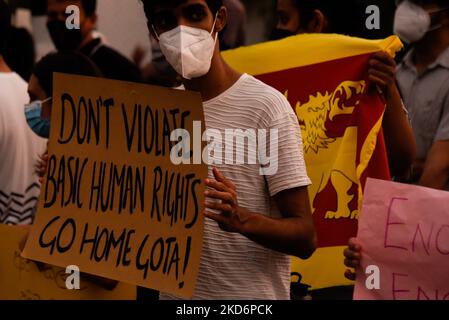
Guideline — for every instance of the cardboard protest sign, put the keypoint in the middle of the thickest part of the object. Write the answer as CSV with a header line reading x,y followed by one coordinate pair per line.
x,y
113,201
21,279
404,234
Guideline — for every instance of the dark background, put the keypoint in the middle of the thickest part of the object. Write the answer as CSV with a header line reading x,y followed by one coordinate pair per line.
x,y
352,11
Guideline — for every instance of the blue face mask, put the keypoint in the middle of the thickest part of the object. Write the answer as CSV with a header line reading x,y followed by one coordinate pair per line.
x,y
40,126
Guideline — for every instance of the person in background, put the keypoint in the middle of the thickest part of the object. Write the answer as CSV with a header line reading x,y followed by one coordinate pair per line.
x,y
319,16
111,63
40,88
310,16
20,53
423,79
160,72
19,146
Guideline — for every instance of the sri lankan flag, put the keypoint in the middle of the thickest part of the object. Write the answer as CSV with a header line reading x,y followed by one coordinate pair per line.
x,y
325,78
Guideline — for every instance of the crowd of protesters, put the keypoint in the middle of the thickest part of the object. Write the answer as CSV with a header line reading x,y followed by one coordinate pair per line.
x,y
267,216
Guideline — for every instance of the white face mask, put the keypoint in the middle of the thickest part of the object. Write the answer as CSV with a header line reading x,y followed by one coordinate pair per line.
x,y
189,50
412,22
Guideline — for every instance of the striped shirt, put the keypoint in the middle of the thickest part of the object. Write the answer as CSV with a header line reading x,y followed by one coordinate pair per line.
x,y
426,97
19,149
232,266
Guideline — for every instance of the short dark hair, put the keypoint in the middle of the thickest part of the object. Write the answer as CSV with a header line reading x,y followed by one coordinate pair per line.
x,y
5,25
64,62
306,8
20,52
334,11
90,7
149,5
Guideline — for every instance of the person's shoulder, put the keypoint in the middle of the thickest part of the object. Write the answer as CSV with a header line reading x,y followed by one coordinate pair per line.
x,y
255,86
113,64
112,53
13,95
13,82
265,95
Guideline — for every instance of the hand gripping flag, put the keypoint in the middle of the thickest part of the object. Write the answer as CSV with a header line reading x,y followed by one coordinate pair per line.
x,y
325,78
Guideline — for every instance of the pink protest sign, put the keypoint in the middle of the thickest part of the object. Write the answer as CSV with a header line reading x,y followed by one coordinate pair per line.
x,y
404,234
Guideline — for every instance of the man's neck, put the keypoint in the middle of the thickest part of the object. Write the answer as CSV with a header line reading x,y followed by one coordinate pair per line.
x,y
429,50
3,66
219,79
87,39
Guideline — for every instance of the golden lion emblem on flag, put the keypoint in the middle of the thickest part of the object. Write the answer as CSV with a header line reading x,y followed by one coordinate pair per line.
x,y
315,116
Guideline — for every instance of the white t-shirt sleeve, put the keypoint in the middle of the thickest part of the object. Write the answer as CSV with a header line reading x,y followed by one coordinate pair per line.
x,y
2,126
289,171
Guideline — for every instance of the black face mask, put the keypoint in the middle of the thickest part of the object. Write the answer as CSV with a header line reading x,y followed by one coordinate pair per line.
x,y
63,38
278,34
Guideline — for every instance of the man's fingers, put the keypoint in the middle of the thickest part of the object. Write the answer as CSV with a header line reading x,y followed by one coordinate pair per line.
x,y
216,185
383,68
44,156
218,175
351,254
385,78
348,253
218,206
354,245
350,275
377,80
352,263
216,217
224,196
221,178
384,57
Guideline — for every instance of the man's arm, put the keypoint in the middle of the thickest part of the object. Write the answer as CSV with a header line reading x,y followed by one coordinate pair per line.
x,y
400,142
293,234
436,168
399,139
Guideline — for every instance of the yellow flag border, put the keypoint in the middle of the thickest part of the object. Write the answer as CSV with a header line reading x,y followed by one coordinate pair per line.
x,y
368,148
296,46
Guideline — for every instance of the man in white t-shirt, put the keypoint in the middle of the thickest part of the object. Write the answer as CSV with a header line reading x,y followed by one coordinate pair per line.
x,y
19,146
254,221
